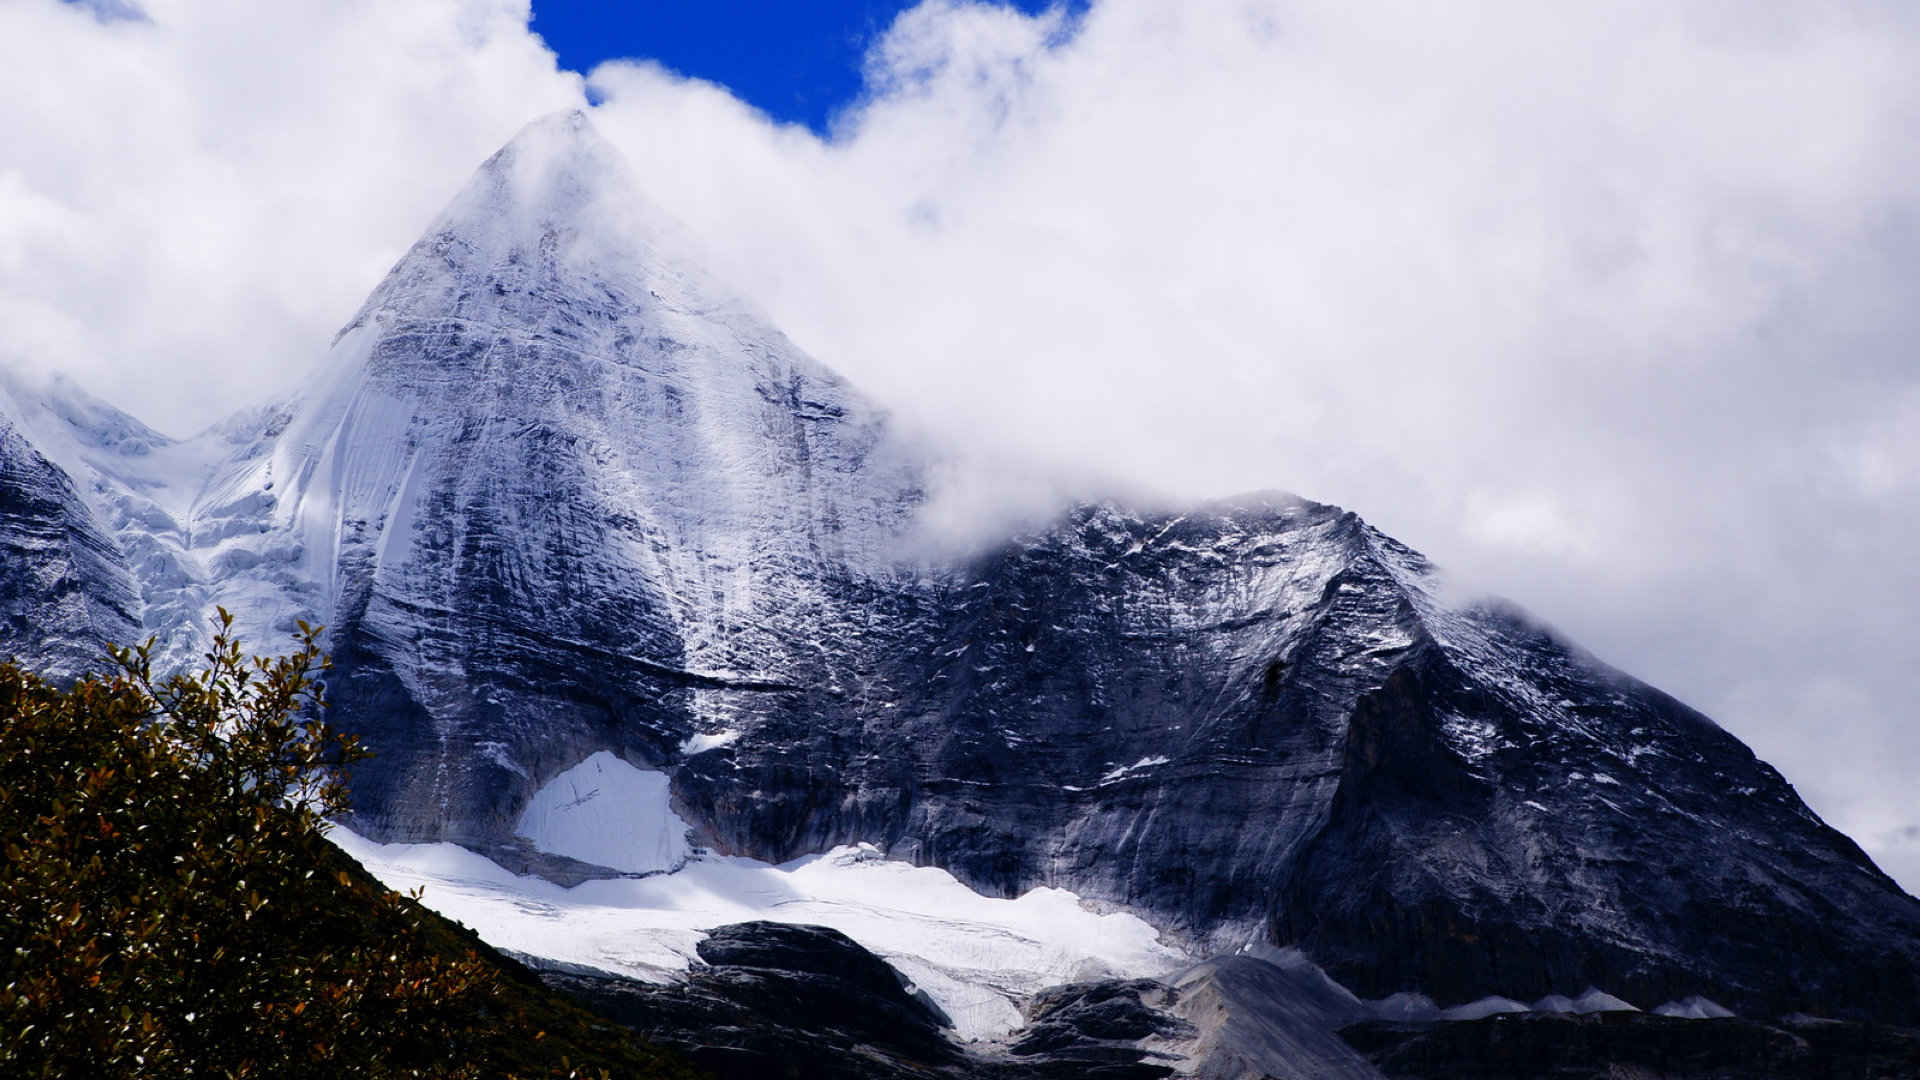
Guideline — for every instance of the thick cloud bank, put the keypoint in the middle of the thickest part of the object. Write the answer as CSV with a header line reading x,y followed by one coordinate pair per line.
x,y
192,202
1609,307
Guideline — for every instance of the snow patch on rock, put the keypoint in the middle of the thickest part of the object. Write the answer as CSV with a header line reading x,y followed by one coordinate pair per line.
x,y
1124,771
608,813
1483,1008
701,742
1596,1000
1694,1008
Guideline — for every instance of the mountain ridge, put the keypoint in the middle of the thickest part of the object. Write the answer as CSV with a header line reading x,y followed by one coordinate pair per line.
x,y
557,492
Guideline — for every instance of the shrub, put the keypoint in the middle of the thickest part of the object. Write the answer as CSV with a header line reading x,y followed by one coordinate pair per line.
x,y
170,905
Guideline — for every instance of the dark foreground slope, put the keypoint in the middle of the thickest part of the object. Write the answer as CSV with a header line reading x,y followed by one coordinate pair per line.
x,y
1613,1045
805,1003
529,1030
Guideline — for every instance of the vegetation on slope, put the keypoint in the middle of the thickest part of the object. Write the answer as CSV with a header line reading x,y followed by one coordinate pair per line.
x,y
170,906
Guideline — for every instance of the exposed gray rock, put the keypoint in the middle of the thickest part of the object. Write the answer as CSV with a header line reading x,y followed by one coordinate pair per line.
x,y
1256,1019
65,590
1120,1024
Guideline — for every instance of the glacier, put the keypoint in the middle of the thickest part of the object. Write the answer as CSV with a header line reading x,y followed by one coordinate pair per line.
x,y
977,957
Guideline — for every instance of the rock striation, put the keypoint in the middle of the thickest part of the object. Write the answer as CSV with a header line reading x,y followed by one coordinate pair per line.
x,y
65,590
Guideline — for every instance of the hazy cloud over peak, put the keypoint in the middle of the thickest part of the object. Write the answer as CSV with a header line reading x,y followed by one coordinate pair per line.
x,y
191,204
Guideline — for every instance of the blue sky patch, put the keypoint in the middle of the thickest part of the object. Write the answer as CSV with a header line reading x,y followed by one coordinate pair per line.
x,y
797,62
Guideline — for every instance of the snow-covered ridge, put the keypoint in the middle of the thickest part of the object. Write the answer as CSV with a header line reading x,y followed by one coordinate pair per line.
x,y
149,494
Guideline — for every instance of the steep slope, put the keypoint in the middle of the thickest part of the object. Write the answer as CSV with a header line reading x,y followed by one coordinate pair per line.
x,y
1555,825
140,492
1262,720
65,590
556,484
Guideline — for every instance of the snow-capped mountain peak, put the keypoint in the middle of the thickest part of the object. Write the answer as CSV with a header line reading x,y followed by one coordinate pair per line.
x,y
561,498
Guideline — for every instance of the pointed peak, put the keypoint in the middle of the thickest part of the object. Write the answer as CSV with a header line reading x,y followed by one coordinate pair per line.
x,y
556,208
557,175
555,165
566,122
566,133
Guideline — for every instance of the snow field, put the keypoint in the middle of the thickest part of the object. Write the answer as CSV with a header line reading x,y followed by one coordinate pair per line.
x,y
609,813
974,955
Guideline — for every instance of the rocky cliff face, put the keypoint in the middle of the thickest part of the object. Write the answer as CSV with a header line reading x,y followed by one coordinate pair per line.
x,y
64,587
560,495
1262,714
152,552
558,492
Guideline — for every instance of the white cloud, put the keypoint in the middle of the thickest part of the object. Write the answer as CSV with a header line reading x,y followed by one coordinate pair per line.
x,y
191,204
1607,306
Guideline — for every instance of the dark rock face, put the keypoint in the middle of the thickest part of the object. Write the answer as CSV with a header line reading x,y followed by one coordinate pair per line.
x,y
65,591
773,1000
816,955
1454,802
1095,707
1639,848
780,1001
1098,1028
1609,1046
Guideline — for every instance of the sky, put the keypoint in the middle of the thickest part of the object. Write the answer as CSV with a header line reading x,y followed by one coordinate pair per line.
x,y
799,63
1609,307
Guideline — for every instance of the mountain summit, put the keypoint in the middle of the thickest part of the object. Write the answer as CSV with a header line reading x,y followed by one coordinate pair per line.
x,y
554,476
558,494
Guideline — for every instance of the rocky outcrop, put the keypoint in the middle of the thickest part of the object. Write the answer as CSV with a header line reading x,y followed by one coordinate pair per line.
x,y
65,589
1633,845
772,999
1102,1029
